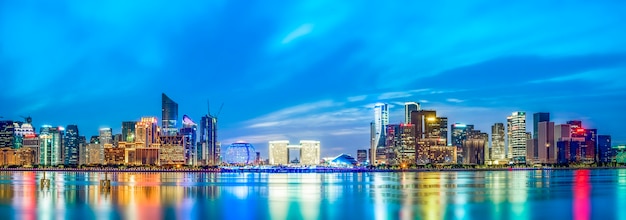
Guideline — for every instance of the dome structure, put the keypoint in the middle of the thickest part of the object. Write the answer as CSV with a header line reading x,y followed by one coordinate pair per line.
x,y
240,153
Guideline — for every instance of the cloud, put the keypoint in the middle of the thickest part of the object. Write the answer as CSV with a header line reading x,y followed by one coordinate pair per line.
x,y
454,100
297,33
357,98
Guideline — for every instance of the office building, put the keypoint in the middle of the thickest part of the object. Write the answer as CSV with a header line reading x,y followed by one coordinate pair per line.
x,y
497,143
128,131
71,145
172,150
50,140
169,110
400,146
279,152
106,136
208,151
605,154
426,134
94,154
32,142
443,128
546,150
381,120
189,131
458,135
408,108
7,134
147,132
539,117
516,132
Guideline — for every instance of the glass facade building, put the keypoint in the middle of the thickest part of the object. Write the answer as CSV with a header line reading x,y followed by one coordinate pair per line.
x,y
71,145
516,133
169,110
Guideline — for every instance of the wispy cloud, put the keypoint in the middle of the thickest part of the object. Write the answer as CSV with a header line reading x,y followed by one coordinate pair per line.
x,y
454,100
357,98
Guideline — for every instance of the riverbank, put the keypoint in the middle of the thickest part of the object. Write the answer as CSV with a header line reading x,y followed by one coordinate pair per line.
x,y
294,170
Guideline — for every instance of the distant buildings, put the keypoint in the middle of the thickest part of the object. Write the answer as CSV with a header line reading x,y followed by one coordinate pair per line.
x,y
279,152
208,148
72,142
408,108
361,156
240,153
128,131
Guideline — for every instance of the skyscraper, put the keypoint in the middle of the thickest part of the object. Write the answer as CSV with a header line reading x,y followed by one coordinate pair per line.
x,y
189,131
381,119
71,145
408,108
539,117
604,149
169,108
128,131
516,132
208,152
146,131
459,134
546,150
50,145
106,136
443,128
497,142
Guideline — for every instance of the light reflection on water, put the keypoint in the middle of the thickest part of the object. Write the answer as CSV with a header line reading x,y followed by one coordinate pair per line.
x,y
559,194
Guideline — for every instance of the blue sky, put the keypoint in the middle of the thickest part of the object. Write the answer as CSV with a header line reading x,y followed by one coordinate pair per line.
x,y
312,69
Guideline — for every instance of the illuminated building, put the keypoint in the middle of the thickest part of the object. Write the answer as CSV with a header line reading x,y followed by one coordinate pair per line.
x,y
459,134
475,147
106,136
309,152
189,131
605,154
94,154
278,153
408,108
239,153
172,150
400,144
381,119
50,147
147,131
71,145
25,156
342,160
128,131
576,127
113,155
22,130
516,132
169,110
443,128
32,142
497,142
147,156
94,139
361,156
7,134
208,149
426,133
7,156
440,154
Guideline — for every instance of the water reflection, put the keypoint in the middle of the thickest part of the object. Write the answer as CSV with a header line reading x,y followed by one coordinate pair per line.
x,y
423,195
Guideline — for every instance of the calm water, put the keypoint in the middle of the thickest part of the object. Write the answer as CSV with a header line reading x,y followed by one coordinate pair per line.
x,y
563,194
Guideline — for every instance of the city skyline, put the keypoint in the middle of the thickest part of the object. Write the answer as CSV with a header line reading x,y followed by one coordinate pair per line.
x,y
311,71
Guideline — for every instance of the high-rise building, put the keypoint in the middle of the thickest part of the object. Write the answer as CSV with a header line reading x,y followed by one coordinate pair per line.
x,y
146,132
497,142
7,134
169,108
459,134
50,140
381,120
400,146
94,139
309,152
577,130
189,132
605,154
539,117
209,150
546,150
71,145
408,108
172,150
106,136
128,131
443,128
516,141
